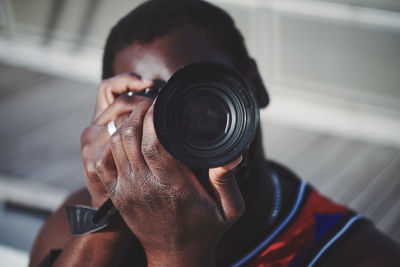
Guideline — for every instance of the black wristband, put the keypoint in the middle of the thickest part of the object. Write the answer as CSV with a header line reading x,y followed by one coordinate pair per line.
x,y
86,220
50,258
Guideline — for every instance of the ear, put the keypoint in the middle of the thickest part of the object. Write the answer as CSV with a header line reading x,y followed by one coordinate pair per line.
x,y
260,91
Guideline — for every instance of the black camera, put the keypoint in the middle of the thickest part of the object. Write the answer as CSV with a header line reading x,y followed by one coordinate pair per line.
x,y
205,115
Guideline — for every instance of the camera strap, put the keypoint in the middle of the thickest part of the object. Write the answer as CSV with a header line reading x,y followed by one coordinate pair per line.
x,y
85,220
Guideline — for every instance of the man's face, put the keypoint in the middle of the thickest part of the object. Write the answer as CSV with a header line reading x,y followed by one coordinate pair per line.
x,y
159,59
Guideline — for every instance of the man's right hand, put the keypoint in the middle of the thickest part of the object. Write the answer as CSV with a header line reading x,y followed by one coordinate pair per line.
x,y
102,248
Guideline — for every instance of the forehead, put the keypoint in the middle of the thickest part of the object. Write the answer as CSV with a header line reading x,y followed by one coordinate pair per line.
x,y
164,55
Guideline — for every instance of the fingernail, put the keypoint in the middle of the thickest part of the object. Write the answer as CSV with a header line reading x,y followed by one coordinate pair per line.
x,y
236,163
147,81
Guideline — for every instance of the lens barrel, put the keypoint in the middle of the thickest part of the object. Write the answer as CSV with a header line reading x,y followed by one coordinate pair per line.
x,y
205,115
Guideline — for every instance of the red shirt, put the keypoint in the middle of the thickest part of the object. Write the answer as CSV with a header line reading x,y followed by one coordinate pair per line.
x,y
305,234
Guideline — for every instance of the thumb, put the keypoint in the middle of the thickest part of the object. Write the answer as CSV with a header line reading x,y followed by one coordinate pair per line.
x,y
223,182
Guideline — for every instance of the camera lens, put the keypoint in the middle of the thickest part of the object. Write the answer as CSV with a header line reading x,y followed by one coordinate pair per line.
x,y
205,116
202,119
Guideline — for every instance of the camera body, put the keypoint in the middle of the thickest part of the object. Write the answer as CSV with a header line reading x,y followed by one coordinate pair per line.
x,y
205,115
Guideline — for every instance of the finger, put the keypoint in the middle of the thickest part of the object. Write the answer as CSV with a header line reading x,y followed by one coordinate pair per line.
x,y
160,162
224,184
110,88
95,137
118,153
121,120
120,84
132,136
158,159
106,170
123,104
93,134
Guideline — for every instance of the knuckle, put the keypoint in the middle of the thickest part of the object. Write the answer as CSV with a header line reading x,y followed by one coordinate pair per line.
x,y
98,165
85,150
128,131
151,148
104,85
133,125
121,120
90,168
115,138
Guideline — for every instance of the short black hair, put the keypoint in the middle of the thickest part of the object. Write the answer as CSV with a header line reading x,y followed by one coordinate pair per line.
x,y
155,18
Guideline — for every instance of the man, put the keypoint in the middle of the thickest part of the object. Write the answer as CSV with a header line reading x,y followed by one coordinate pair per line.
x,y
254,213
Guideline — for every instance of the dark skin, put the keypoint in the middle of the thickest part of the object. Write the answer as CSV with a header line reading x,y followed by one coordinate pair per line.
x,y
177,221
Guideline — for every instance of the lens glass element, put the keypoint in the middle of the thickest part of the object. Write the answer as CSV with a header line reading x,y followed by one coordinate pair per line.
x,y
202,118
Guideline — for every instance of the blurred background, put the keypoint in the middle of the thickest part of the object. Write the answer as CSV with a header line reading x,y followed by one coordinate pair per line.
x,y
332,68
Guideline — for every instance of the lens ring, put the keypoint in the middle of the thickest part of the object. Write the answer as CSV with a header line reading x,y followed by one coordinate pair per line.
x,y
214,79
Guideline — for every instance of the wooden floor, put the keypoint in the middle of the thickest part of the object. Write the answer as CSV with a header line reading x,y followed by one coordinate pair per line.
x,y
42,117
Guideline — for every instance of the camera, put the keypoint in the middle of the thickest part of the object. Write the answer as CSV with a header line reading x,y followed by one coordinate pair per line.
x,y
205,115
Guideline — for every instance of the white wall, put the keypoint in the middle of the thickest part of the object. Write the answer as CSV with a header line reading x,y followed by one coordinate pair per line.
x,y
316,57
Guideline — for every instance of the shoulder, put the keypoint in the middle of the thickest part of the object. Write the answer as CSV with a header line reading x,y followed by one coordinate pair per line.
x,y
359,244
365,245
55,233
